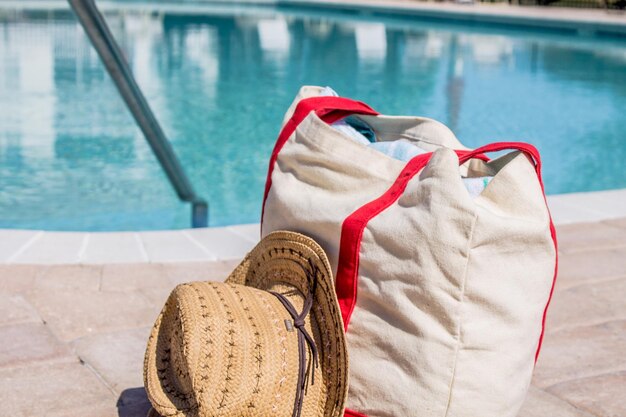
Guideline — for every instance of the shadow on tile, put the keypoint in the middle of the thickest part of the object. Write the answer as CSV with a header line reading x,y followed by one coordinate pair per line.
x,y
133,402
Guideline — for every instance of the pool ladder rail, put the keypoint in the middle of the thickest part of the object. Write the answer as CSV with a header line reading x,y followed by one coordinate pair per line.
x,y
111,55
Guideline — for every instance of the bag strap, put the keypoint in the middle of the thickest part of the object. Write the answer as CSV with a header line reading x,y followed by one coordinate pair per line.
x,y
526,148
329,109
354,225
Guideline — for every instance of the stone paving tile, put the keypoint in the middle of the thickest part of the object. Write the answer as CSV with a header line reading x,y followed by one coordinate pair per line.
x,y
199,271
578,237
31,342
157,296
104,410
595,302
115,247
54,390
15,309
591,265
122,277
178,273
542,404
117,356
17,278
603,395
73,314
617,222
581,352
69,277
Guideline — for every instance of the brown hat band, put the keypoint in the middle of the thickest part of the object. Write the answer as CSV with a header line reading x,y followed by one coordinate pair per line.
x,y
303,337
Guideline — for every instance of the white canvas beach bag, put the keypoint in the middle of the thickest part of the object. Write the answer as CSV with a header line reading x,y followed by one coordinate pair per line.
x,y
443,296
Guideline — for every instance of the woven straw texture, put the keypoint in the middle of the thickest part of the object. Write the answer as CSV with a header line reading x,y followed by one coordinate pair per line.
x,y
223,349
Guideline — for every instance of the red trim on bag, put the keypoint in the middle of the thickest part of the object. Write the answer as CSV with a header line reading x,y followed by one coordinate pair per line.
x,y
329,109
354,226
352,413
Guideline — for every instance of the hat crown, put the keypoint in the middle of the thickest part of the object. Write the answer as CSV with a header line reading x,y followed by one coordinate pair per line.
x,y
231,349
177,350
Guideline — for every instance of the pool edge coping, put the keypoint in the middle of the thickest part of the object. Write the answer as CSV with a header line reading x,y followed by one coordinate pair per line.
x,y
601,21
37,247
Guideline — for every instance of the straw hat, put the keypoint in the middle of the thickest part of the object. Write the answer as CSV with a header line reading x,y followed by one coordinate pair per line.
x,y
267,342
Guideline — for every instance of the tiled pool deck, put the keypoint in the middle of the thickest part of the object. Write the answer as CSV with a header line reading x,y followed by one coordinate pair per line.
x,y
73,336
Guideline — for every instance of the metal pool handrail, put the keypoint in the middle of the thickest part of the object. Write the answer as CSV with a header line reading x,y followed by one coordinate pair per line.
x,y
111,55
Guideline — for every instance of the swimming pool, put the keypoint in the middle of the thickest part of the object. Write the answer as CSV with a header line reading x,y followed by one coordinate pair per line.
x,y
71,157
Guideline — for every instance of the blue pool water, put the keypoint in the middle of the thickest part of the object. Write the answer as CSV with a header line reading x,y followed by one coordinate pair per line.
x,y
71,157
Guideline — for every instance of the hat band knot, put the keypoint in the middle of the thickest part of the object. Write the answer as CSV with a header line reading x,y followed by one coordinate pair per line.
x,y
304,368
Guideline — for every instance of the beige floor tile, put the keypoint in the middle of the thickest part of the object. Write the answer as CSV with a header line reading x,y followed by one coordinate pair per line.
x,y
14,309
69,277
54,390
185,272
542,404
583,236
603,395
617,222
588,304
591,265
116,356
31,342
123,277
157,296
199,271
101,410
581,352
17,278
73,314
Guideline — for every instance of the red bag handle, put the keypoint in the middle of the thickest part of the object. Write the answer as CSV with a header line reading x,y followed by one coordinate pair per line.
x,y
526,148
329,109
